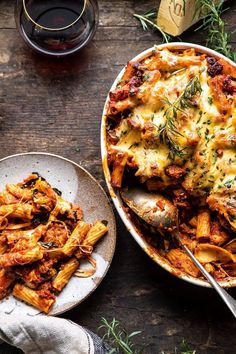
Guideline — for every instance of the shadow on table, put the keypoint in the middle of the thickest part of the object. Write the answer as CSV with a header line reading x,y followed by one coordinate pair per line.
x,y
53,67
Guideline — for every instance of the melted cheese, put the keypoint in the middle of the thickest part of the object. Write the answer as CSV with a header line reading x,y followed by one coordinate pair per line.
x,y
207,138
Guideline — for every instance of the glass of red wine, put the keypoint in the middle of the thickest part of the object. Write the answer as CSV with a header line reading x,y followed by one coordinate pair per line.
x,y
56,27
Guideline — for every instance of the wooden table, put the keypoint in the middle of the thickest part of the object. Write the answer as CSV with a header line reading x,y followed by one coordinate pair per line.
x,y
55,106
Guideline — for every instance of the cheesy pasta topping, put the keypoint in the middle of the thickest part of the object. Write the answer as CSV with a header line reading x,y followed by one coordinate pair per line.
x,y
171,127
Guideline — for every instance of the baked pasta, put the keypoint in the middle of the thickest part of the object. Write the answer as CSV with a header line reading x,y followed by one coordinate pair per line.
x,y
42,240
170,127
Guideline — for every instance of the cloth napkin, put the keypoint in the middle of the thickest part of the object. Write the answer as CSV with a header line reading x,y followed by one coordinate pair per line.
x,y
48,335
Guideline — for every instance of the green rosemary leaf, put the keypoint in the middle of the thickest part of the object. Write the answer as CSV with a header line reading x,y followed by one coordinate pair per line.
x,y
147,21
118,337
112,351
184,349
218,38
134,334
169,132
210,100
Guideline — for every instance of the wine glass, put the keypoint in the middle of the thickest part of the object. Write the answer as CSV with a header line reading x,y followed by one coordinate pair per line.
x,y
56,27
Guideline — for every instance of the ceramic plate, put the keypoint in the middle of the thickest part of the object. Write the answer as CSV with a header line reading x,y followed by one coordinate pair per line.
x,y
79,187
229,282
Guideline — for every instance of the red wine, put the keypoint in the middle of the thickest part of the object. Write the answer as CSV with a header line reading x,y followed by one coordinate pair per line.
x,y
57,27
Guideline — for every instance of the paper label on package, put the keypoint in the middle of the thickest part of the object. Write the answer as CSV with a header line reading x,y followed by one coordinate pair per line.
x,y
175,16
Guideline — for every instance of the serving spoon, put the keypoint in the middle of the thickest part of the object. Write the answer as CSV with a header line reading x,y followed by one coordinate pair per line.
x,y
159,212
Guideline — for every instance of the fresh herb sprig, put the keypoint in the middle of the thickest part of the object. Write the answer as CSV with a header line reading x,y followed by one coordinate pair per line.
x,y
169,132
121,342
147,22
193,87
218,38
185,349
168,135
118,337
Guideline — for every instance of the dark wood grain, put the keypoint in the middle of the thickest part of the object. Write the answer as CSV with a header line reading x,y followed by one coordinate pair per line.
x,y
55,106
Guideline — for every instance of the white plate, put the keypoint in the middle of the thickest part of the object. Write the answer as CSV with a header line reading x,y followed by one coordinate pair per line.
x,y
77,186
115,196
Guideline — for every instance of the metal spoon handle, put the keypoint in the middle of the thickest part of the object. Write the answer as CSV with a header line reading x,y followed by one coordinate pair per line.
x,y
229,301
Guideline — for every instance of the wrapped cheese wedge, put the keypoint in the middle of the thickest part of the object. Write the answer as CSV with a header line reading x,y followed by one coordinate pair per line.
x,y
174,17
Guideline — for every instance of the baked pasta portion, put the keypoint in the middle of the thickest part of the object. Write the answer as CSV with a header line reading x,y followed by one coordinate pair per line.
x,y
170,127
42,240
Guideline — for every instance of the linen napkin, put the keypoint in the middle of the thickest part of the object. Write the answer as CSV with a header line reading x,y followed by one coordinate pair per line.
x,y
48,335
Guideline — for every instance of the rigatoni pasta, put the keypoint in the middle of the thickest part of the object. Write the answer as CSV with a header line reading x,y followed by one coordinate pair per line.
x,y
65,274
97,231
37,298
203,230
76,238
170,128
42,238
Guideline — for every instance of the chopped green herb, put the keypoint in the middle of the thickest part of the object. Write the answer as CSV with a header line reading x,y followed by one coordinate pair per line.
x,y
210,100
199,133
134,145
200,116
146,76
228,183
123,133
214,156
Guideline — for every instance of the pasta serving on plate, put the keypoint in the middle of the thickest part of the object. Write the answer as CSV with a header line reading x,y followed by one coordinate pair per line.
x,y
42,240
170,127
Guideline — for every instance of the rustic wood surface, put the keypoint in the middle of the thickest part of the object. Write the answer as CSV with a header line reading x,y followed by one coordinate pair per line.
x,y
55,106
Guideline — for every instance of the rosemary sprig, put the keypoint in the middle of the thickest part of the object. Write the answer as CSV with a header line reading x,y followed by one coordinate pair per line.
x,y
166,134
218,38
118,337
121,343
193,87
147,22
169,132
184,348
